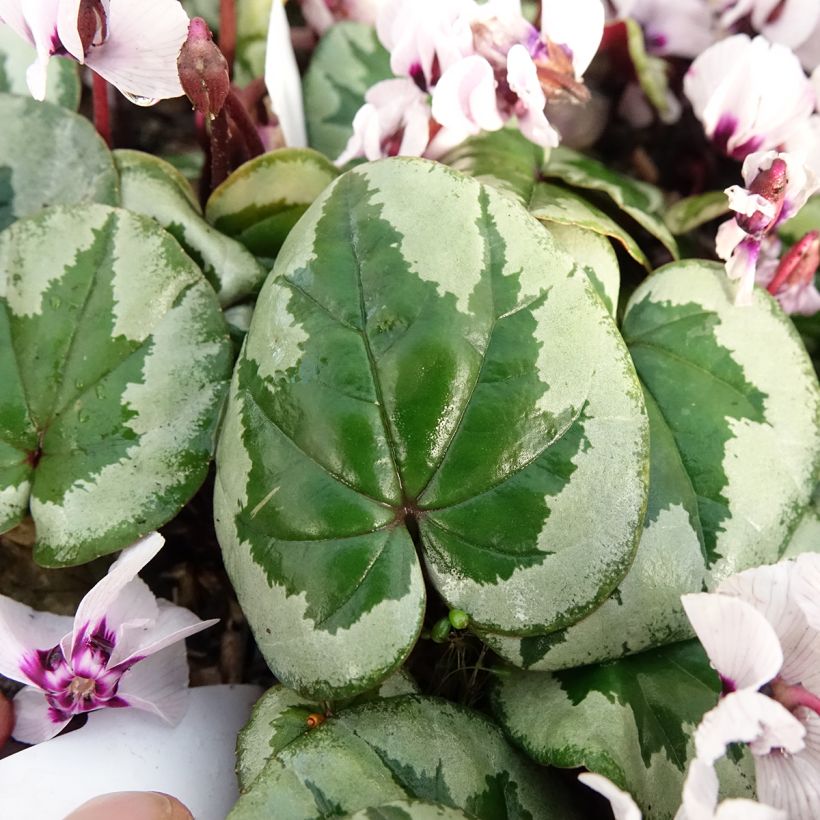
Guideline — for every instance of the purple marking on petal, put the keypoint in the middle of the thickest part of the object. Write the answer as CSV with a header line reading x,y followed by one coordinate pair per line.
x,y
417,76
727,686
726,126
656,41
743,150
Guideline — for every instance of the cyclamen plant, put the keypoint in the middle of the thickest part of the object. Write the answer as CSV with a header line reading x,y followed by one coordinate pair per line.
x,y
466,355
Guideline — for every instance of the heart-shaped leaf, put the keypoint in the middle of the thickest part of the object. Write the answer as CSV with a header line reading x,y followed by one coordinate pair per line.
x,y
252,20
114,360
733,407
639,200
631,721
152,187
689,213
348,60
63,85
50,156
409,810
263,199
397,749
425,370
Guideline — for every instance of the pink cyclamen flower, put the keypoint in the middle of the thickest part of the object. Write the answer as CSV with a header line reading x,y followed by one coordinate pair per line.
x,y
777,186
680,29
133,45
320,15
122,648
750,95
791,280
760,631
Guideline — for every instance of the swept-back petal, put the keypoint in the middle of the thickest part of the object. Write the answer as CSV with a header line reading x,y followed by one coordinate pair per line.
x,y
34,720
68,13
41,22
173,623
465,99
140,55
792,782
282,79
740,642
159,684
11,13
623,806
23,629
748,717
579,26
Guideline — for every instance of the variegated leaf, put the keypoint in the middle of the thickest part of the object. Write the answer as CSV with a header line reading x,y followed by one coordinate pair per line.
x,y
152,187
440,378
689,213
733,407
263,199
16,55
409,810
408,747
631,721
639,200
50,156
114,360
281,716
252,20
348,60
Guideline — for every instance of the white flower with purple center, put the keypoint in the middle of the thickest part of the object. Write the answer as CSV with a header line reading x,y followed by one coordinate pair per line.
x,y
760,631
750,95
122,648
681,29
133,45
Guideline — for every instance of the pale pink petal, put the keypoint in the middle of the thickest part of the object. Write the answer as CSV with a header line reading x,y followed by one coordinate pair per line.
x,y
744,202
23,630
159,684
464,98
791,782
747,810
740,643
771,591
282,79
741,267
729,236
67,13
522,77
790,25
623,806
700,791
317,15
578,25
41,21
174,623
140,55
120,596
800,299
32,720
11,13
747,717
806,588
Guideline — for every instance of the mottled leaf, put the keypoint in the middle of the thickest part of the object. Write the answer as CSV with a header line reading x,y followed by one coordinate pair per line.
x,y
16,55
252,19
409,810
733,408
639,200
348,60
631,721
398,749
263,199
693,211
442,379
152,187
114,360
50,156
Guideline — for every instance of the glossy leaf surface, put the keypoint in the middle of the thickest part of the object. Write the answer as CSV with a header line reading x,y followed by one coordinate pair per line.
x,y
689,213
348,60
50,156
444,375
631,721
408,747
263,199
733,407
114,360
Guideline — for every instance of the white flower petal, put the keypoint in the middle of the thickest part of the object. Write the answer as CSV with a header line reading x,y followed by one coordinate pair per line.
x,y
11,13
32,723
796,18
747,717
282,79
67,21
623,806
140,55
748,810
159,684
120,596
23,629
174,623
578,25
464,98
700,791
729,236
743,201
806,588
740,643
791,782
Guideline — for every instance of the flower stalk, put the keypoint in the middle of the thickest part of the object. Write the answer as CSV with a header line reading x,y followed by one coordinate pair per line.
x,y
102,108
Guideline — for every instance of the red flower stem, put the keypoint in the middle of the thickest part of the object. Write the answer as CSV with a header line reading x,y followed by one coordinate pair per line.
x,y
244,124
227,31
102,114
220,149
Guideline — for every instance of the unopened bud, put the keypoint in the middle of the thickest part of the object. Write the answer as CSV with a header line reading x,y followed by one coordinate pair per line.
x,y
799,265
203,70
771,185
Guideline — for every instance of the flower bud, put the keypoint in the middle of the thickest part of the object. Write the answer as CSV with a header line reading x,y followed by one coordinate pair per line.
x,y
771,185
440,631
458,618
203,70
800,263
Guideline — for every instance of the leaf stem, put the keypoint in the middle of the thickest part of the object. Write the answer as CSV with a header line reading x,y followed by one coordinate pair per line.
x,y
220,148
102,113
227,31
244,124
